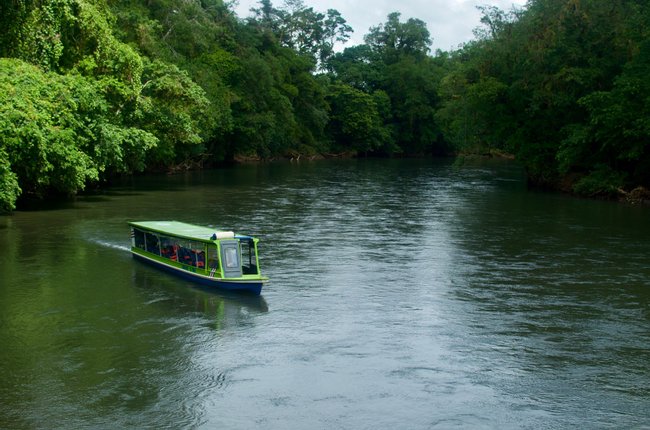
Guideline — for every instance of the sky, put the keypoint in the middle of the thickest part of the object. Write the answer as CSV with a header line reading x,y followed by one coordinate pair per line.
x,y
450,22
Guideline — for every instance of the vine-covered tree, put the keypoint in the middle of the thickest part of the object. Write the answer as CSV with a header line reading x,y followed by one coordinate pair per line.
x,y
78,105
559,85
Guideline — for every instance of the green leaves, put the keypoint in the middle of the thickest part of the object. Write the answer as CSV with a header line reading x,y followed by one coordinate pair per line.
x,y
562,84
394,39
355,121
34,31
9,188
58,133
303,29
44,128
171,107
96,107
601,181
617,132
99,87
395,64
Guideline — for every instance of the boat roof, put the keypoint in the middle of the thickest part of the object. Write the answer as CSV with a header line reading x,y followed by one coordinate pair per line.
x,y
184,230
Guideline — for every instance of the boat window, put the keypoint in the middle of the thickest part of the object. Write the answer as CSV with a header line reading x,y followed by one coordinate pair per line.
x,y
138,238
169,248
249,262
152,243
191,253
230,257
213,257
200,257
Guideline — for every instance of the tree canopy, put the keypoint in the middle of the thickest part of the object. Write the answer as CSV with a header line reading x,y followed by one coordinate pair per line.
x,y
559,84
94,88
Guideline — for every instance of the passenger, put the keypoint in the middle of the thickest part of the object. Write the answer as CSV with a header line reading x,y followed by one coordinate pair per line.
x,y
200,259
186,257
153,245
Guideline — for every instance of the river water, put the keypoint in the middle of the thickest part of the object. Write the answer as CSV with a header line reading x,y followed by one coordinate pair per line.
x,y
404,294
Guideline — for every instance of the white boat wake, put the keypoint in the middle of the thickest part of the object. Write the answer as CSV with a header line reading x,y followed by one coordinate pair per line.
x,y
111,245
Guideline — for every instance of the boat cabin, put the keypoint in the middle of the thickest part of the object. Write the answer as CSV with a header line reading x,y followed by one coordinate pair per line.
x,y
202,253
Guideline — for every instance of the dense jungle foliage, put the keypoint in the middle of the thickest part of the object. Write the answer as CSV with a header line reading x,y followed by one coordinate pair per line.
x,y
94,88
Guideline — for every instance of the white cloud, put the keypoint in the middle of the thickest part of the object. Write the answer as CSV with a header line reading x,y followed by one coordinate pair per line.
x,y
450,22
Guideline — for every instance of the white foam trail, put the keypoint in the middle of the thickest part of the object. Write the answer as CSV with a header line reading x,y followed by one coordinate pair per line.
x,y
110,245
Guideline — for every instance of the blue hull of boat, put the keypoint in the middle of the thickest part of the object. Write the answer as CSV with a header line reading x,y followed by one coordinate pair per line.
x,y
247,287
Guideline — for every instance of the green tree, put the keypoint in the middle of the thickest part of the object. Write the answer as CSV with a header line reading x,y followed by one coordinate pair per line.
x,y
395,39
9,188
355,121
35,31
541,83
264,120
92,108
412,85
171,106
357,66
400,66
57,133
303,29
473,113
612,148
198,38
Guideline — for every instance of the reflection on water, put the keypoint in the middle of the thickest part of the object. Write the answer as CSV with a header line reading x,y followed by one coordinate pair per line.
x,y
407,294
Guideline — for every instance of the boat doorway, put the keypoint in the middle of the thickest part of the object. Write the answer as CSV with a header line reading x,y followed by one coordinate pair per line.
x,y
230,259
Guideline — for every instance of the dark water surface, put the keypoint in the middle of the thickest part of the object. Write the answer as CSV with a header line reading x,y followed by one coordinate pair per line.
x,y
404,294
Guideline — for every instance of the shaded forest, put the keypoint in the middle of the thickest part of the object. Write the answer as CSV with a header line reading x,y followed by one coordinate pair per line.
x,y
90,89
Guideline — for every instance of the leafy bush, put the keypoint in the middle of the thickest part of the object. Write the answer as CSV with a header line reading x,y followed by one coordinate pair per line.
x,y
602,181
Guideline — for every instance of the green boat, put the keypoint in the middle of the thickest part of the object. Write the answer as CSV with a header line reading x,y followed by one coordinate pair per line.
x,y
211,257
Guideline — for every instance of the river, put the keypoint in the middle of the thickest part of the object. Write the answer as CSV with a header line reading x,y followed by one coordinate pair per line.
x,y
410,294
